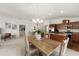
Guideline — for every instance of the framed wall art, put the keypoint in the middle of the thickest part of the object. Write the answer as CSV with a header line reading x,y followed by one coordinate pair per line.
x,y
14,26
8,25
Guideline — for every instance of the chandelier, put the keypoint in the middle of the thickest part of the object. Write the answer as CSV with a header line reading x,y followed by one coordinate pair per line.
x,y
37,20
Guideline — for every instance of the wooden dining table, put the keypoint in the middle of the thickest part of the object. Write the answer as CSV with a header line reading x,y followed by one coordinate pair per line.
x,y
45,46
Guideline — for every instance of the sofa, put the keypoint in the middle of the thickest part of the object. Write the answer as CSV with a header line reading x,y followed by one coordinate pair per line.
x,y
13,47
6,36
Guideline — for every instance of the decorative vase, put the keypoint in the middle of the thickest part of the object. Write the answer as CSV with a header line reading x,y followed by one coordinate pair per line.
x,y
38,36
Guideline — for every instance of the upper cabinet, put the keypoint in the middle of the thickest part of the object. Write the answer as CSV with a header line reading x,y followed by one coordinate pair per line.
x,y
67,24
71,25
75,25
66,21
60,26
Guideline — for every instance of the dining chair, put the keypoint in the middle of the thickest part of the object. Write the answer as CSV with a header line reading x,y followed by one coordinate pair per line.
x,y
30,49
63,47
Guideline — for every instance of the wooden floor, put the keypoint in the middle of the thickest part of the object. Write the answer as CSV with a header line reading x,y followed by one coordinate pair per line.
x,y
74,46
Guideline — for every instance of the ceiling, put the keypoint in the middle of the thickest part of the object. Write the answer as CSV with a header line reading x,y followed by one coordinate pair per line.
x,y
41,10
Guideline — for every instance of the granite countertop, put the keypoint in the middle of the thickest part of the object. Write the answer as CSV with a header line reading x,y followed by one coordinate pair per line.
x,y
59,33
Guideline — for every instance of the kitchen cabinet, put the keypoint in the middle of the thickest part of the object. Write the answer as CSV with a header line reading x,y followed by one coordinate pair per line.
x,y
57,36
75,37
66,21
73,26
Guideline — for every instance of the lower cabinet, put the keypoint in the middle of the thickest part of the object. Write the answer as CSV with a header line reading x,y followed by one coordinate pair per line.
x,y
75,37
57,37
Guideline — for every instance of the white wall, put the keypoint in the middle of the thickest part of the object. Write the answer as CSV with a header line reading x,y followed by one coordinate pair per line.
x,y
3,20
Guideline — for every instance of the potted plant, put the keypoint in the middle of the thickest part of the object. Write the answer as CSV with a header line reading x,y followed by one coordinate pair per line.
x,y
38,34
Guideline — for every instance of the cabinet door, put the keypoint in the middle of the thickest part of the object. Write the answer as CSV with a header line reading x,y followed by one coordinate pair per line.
x,y
75,25
75,37
60,26
57,37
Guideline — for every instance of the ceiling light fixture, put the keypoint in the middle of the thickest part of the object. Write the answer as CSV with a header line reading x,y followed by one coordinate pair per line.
x,y
37,20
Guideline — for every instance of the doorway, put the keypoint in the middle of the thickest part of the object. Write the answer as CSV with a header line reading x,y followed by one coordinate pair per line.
x,y
21,30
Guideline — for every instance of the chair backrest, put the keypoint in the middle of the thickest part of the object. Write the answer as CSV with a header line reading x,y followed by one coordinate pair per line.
x,y
63,47
27,48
